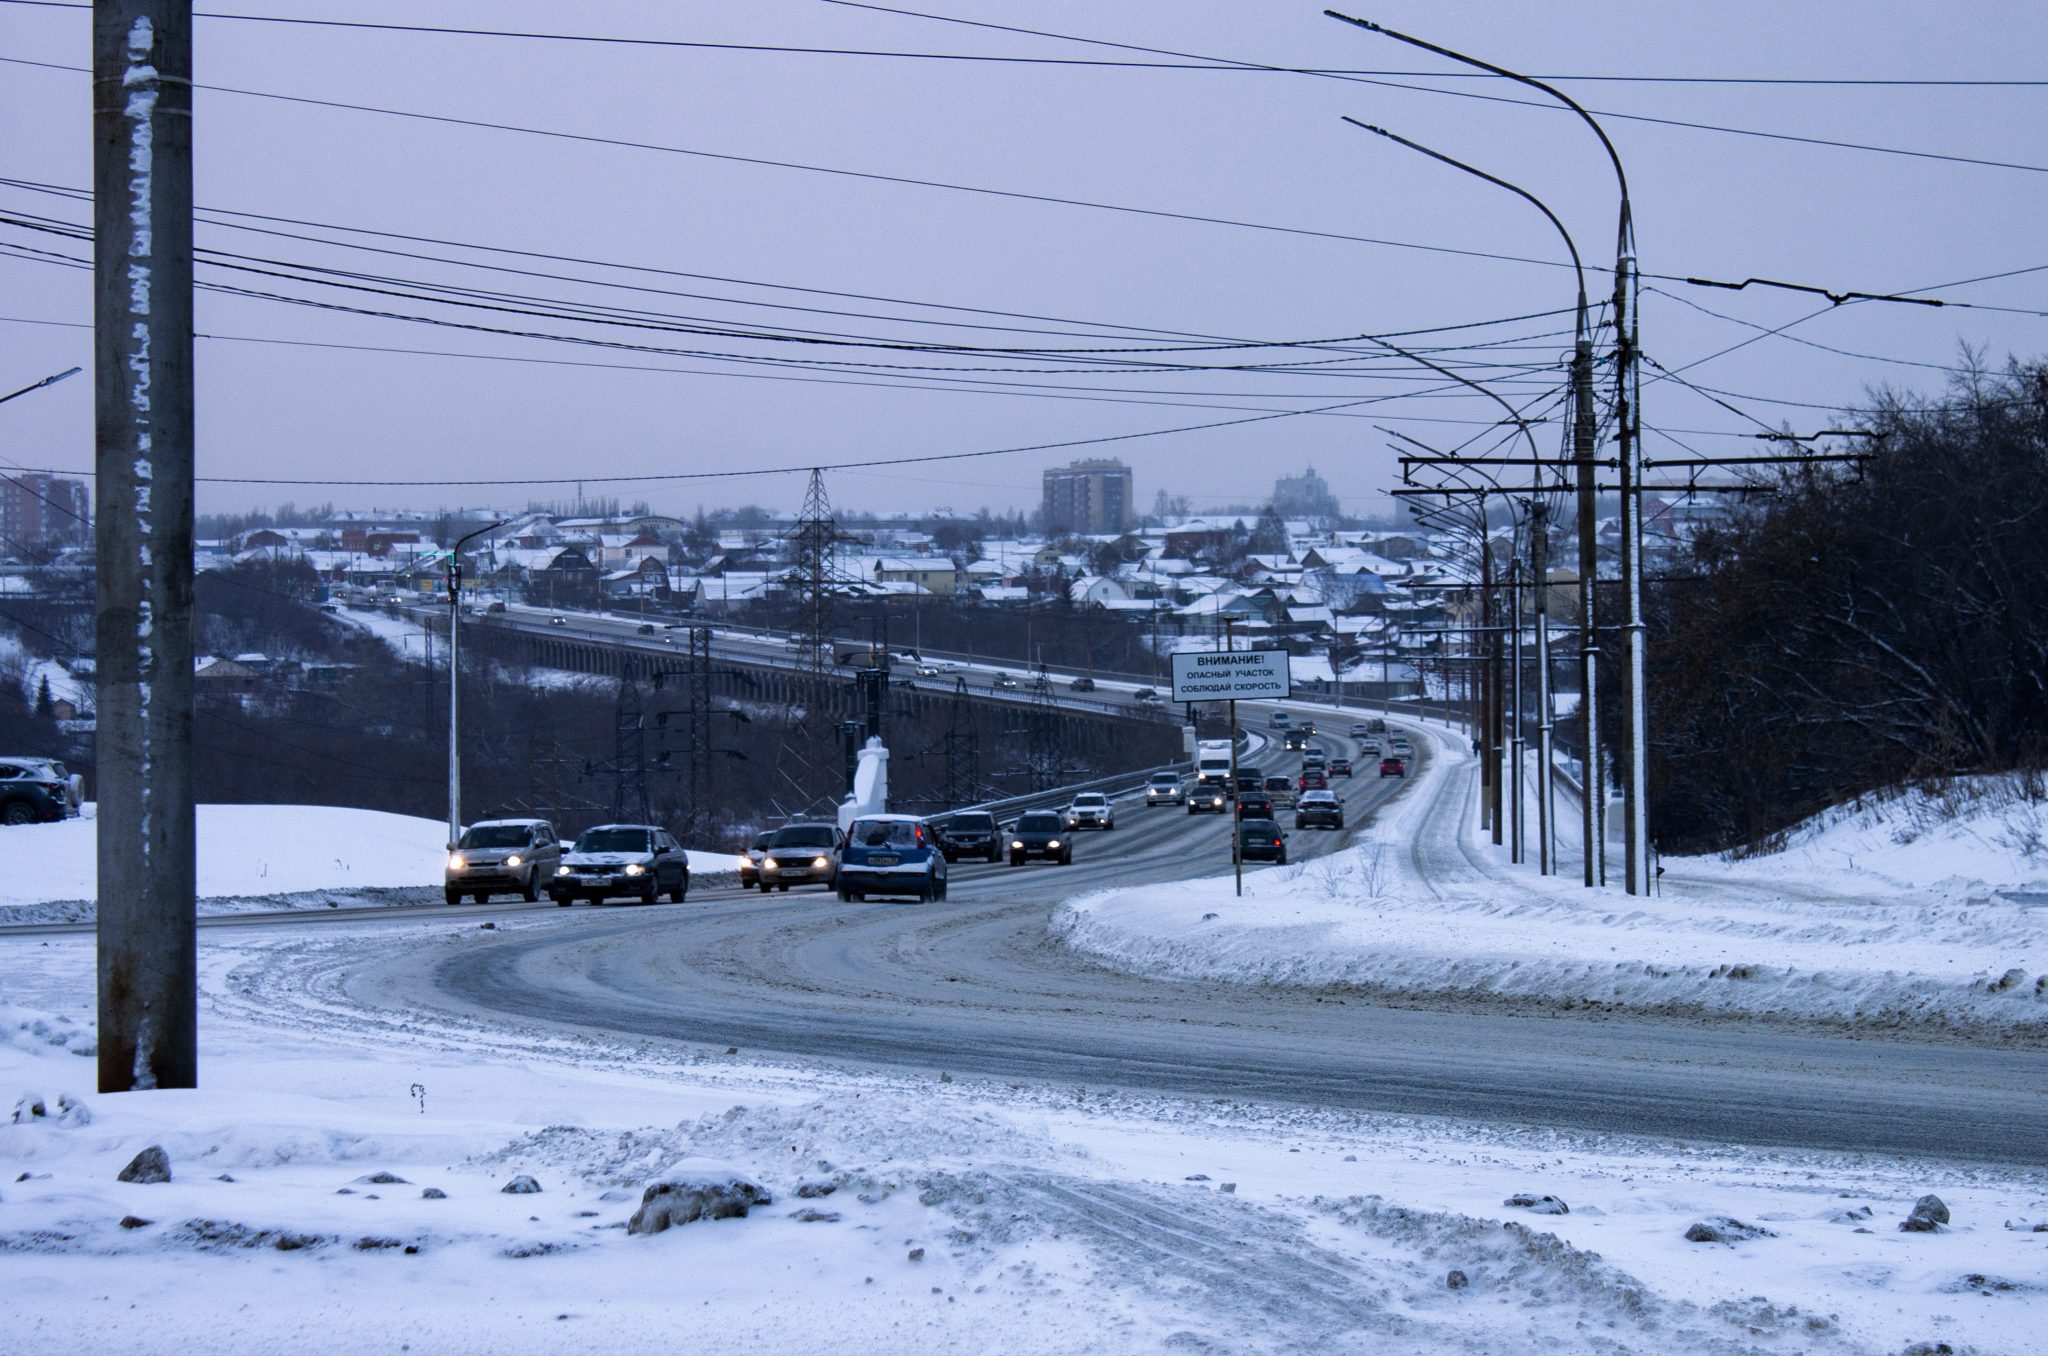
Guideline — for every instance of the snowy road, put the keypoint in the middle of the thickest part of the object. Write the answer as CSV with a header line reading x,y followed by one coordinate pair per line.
x,y
974,986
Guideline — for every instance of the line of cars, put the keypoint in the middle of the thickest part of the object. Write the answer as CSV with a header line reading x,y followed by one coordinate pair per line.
x,y
856,867
640,862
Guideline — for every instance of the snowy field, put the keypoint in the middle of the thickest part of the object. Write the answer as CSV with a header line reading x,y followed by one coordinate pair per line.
x,y
258,858
341,1172
1889,916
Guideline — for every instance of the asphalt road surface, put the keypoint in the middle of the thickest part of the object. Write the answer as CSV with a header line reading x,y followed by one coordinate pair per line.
x,y
973,986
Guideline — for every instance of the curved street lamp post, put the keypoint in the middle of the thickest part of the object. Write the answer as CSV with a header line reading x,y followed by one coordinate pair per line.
x,y
1635,722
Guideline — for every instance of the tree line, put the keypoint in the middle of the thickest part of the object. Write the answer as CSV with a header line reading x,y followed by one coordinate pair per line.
x,y
1867,625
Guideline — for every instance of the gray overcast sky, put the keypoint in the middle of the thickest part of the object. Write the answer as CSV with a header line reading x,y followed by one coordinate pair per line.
x,y
1254,147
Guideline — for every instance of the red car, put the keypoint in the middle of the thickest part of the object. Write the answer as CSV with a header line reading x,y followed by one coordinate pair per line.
x,y
1314,780
1393,767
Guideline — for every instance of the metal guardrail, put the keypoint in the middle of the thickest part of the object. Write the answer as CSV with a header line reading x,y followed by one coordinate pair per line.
x,y
1055,796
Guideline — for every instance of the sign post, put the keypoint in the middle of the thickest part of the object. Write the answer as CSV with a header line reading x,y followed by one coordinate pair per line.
x,y
1226,675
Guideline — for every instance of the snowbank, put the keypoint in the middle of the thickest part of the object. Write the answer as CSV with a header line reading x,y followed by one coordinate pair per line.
x,y
245,852
351,1160
261,858
1424,908
1974,836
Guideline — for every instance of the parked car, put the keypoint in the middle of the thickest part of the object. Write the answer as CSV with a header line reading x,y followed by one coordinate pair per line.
x,y
1082,684
750,861
1393,765
639,860
1210,799
971,833
1255,805
1319,809
800,854
38,791
892,855
1165,788
1043,834
501,856
28,802
1280,790
1090,810
1340,767
1260,840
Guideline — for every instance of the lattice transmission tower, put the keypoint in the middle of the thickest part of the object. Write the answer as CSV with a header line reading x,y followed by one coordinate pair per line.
x,y
806,771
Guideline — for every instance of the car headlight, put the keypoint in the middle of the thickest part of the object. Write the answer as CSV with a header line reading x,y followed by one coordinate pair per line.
x,y
515,860
635,869
767,863
456,863
1017,844
746,863
822,863
561,870
1053,843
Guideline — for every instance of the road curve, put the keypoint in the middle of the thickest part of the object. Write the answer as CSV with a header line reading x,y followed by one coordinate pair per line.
x,y
974,986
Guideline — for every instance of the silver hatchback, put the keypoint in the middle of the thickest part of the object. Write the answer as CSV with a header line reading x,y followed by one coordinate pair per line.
x,y
501,856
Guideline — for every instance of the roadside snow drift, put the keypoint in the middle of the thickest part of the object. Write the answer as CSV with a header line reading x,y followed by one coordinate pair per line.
x,y
248,855
1934,928
390,1177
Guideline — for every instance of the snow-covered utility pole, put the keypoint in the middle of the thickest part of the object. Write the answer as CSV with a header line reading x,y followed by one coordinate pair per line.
x,y
142,367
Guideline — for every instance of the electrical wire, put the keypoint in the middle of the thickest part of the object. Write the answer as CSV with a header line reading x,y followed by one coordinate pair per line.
x,y
1425,89
1199,66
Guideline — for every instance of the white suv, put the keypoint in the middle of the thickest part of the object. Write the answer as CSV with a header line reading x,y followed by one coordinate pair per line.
x,y
1091,809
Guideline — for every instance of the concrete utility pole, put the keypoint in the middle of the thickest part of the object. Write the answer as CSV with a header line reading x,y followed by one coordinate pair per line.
x,y
142,367
1539,556
1518,721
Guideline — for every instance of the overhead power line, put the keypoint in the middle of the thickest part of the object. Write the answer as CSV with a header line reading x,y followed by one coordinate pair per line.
x,y
980,190
1203,66
1425,89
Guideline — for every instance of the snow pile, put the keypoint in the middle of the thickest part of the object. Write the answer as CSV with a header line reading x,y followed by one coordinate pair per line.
x,y
248,855
1424,909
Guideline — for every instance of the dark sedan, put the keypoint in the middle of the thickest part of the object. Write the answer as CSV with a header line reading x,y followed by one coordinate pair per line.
x,y
1319,809
1340,767
1260,840
1042,834
1254,805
